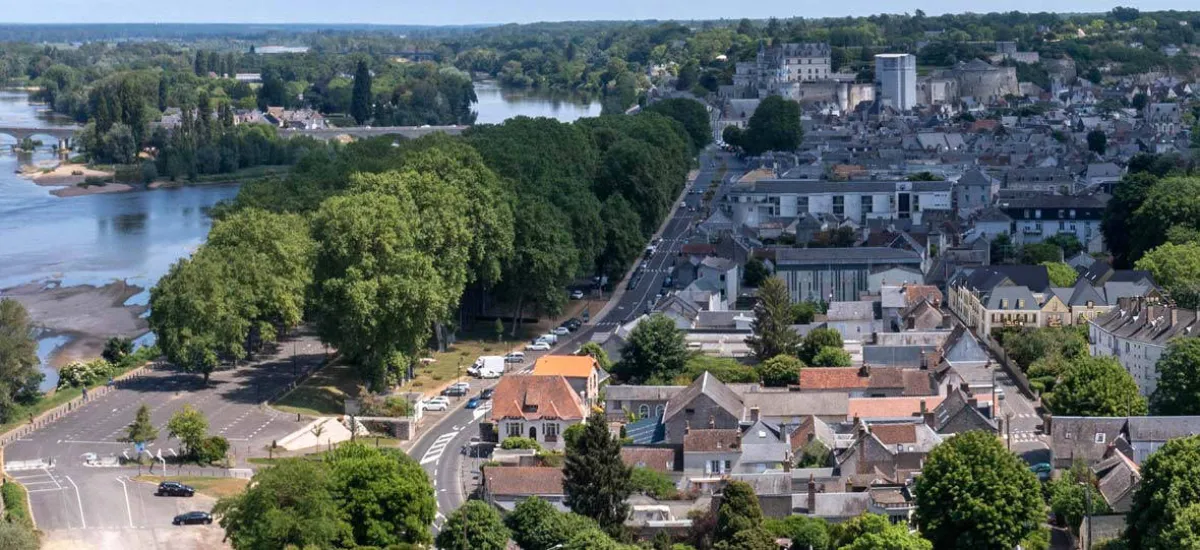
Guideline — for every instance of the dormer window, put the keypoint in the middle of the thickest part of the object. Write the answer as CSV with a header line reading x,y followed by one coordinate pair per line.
x,y
1003,304
1020,304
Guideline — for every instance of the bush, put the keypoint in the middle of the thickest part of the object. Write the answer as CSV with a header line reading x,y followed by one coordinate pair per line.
x,y
831,357
212,450
149,172
394,406
80,374
653,483
16,506
520,443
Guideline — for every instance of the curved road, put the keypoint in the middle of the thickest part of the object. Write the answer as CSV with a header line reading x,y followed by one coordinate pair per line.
x,y
439,450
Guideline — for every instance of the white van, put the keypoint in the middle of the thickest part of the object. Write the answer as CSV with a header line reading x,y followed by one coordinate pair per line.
x,y
549,338
487,363
491,371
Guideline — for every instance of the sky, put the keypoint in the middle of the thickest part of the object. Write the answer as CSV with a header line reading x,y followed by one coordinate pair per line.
x,y
458,12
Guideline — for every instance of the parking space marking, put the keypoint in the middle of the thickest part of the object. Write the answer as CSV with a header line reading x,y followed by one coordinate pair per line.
x,y
79,500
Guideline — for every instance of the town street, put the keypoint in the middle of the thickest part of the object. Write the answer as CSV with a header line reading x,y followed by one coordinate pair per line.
x,y
440,448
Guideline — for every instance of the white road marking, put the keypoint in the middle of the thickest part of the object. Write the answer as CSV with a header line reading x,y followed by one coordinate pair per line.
x,y
439,446
128,510
79,500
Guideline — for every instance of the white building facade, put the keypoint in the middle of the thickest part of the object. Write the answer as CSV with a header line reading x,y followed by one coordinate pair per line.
x,y
896,75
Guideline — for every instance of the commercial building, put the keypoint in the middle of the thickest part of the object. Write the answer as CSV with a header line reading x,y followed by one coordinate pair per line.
x,y
857,201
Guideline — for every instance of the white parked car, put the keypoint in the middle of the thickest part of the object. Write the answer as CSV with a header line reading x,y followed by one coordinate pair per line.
x,y
515,357
577,295
562,331
538,346
436,404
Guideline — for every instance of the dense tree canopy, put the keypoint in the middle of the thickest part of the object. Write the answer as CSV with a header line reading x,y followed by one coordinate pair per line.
x,y
780,370
19,375
975,494
1096,386
1172,206
476,525
655,350
774,126
1178,390
1170,487
817,340
691,114
1176,267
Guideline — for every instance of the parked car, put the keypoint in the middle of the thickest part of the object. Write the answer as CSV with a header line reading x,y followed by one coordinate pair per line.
x,y
456,389
193,518
574,323
473,403
486,394
174,489
549,337
515,357
538,346
577,295
667,282
633,281
436,404
1043,470
561,331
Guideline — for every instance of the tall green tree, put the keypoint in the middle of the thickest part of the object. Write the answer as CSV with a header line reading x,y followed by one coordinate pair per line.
x,y
474,526
830,356
19,375
755,272
1061,274
543,262
1170,486
1097,386
1097,141
595,479
875,532
596,352
622,237
803,531
536,525
949,510
780,370
739,511
774,126
1178,390
196,311
361,104
772,326
141,430
655,349
1070,494
691,114
816,340
376,294
1176,267
189,426
1128,196
1172,206
289,503
385,495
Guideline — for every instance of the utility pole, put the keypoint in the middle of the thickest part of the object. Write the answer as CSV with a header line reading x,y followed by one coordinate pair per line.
x,y
1008,429
1087,512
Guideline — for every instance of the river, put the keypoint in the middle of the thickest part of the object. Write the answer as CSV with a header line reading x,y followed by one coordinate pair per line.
x,y
92,239
497,104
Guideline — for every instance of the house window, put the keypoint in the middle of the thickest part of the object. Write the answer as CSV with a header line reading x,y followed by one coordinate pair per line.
x,y
643,411
551,430
1100,438
839,205
514,429
1020,304
658,411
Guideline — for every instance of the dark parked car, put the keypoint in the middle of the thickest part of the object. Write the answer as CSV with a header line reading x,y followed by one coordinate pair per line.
x,y
193,518
174,489
486,394
455,391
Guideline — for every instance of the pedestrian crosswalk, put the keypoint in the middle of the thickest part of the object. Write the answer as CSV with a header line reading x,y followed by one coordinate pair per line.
x,y
1023,436
439,446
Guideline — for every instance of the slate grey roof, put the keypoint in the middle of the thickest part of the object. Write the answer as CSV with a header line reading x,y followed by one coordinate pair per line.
x,y
1035,277
895,356
1083,293
1011,298
706,384
855,255
622,392
850,311
1117,476
1150,323
762,443
832,505
811,187
1075,437
975,178
783,404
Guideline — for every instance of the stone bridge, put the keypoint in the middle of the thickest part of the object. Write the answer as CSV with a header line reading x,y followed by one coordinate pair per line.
x,y
64,135
411,132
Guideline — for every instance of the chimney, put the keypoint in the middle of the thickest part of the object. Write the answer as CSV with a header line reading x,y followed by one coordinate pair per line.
x,y
812,494
923,409
754,414
687,427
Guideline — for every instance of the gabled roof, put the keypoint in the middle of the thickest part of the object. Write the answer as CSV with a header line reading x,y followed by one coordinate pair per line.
x,y
1083,293
712,441
660,459
569,366
535,398
709,386
523,480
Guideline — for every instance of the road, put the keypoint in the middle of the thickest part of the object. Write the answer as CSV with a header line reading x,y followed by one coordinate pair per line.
x,y
439,449
67,494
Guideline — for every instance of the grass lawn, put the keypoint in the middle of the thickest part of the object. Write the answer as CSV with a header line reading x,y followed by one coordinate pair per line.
x,y
323,393
215,487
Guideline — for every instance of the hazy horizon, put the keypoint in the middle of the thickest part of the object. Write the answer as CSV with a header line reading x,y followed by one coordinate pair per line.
x,y
483,12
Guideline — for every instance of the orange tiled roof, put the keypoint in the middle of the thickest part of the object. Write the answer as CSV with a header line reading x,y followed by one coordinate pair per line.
x,y
571,366
536,398
916,293
832,378
867,408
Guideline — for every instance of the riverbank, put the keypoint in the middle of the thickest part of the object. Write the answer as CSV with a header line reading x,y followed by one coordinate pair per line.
x,y
87,315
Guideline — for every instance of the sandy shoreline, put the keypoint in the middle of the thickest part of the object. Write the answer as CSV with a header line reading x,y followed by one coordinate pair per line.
x,y
87,314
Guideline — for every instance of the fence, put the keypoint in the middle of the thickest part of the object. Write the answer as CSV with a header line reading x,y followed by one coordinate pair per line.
x,y
49,417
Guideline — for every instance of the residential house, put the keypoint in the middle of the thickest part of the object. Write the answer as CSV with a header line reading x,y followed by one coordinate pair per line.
x,y
974,191
706,402
1090,439
537,407
868,381
1137,332
887,451
582,372
1117,477
1038,217
857,201
506,486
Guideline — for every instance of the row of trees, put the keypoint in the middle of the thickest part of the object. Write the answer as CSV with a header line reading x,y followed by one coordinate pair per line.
x,y
393,235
